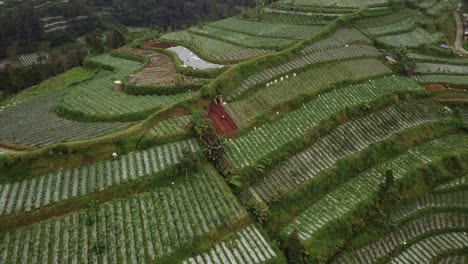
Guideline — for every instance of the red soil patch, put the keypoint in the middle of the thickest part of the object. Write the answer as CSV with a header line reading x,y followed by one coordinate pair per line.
x,y
434,87
221,121
157,44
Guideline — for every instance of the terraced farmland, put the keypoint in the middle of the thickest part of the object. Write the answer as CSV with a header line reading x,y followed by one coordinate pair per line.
x,y
411,39
350,195
266,139
429,248
172,126
441,68
345,141
461,80
214,48
33,122
438,59
401,26
403,234
134,230
44,190
457,183
338,3
333,54
160,69
309,82
454,199
247,246
341,37
95,99
241,39
261,29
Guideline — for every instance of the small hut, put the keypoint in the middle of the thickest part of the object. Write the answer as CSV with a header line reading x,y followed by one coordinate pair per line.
x,y
118,86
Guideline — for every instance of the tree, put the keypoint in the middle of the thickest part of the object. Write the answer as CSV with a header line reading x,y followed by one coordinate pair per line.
x,y
259,4
294,249
188,161
405,64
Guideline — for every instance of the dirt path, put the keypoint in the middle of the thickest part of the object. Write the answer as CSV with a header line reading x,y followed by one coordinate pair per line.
x,y
458,45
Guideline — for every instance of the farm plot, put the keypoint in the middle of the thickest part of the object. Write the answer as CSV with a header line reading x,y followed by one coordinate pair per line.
x,y
454,259
43,190
292,17
393,18
160,69
33,122
337,3
340,38
405,25
350,195
461,80
321,56
438,59
438,8
95,99
411,39
241,39
423,68
217,49
425,4
432,200
309,82
387,244
173,126
266,139
429,248
461,182
132,230
247,246
261,29
345,141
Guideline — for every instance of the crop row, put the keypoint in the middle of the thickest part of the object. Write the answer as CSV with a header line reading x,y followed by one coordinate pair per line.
x,y
310,82
262,29
442,78
337,3
133,230
264,140
459,182
436,59
454,199
404,25
215,48
247,246
96,98
333,54
25,60
399,236
172,126
441,68
454,259
345,141
431,247
341,37
241,39
438,8
296,17
411,39
33,123
347,197
40,191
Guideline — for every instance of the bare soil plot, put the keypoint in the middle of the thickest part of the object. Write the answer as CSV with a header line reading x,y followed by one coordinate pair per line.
x,y
160,69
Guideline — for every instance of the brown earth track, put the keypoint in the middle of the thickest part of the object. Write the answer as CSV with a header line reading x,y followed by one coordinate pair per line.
x,y
222,122
157,44
160,69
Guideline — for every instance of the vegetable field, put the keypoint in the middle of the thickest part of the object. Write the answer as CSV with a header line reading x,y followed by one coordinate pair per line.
x,y
461,80
412,39
310,82
261,29
96,100
266,139
172,126
339,38
401,26
247,246
338,3
421,226
134,230
43,190
438,59
215,48
347,197
346,140
333,54
429,248
441,68
34,123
